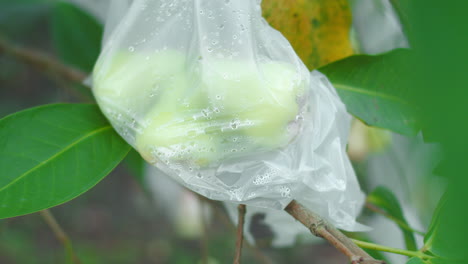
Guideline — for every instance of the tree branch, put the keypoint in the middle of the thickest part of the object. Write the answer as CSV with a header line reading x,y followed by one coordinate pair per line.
x,y
60,234
222,216
41,61
319,227
204,235
240,233
58,71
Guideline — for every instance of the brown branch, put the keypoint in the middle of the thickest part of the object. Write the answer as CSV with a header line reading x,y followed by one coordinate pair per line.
x,y
319,227
204,235
240,233
46,64
41,61
60,234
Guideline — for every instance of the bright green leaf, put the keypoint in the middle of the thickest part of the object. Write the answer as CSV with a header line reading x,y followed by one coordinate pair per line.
x,y
76,35
386,200
51,154
415,261
447,233
375,89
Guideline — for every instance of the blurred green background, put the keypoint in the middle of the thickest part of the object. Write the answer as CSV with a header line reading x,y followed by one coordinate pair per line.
x,y
119,221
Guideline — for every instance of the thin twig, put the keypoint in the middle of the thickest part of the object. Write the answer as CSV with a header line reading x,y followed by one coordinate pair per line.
x,y
402,224
219,213
60,234
204,235
319,227
240,233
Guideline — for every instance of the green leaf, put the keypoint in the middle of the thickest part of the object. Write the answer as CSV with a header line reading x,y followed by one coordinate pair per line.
x,y
76,35
415,260
375,89
52,154
386,200
447,233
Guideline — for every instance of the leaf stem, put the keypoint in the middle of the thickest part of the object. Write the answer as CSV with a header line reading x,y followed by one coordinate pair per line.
x,y
408,253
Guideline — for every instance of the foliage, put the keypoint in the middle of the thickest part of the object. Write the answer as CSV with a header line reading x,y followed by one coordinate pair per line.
x,y
54,153
51,154
317,29
386,200
376,89
76,35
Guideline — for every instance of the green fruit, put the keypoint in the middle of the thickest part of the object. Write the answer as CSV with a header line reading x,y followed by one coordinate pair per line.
x,y
171,137
129,80
231,108
171,132
263,96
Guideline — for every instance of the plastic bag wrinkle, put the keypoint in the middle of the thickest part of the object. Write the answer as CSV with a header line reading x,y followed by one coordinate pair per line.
x,y
215,98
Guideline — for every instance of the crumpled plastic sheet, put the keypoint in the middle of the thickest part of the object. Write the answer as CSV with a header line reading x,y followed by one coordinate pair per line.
x,y
325,183
218,100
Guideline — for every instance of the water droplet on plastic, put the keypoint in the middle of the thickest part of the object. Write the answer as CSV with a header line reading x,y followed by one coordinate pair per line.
x,y
234,124
131,49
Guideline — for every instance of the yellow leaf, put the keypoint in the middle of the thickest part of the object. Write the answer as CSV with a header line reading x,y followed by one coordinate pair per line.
x,y
318,30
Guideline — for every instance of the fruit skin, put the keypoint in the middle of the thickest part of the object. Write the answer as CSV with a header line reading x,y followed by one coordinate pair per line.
x,y
263,97
216,110
171,129
128,80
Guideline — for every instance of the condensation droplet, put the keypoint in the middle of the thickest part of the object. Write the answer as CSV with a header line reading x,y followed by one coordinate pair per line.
x,y
131,49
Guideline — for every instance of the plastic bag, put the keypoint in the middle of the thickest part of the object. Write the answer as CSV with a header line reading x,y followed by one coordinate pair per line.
x,y
213,96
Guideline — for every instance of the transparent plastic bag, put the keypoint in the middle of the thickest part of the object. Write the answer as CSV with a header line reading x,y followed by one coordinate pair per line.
x,y
214,97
